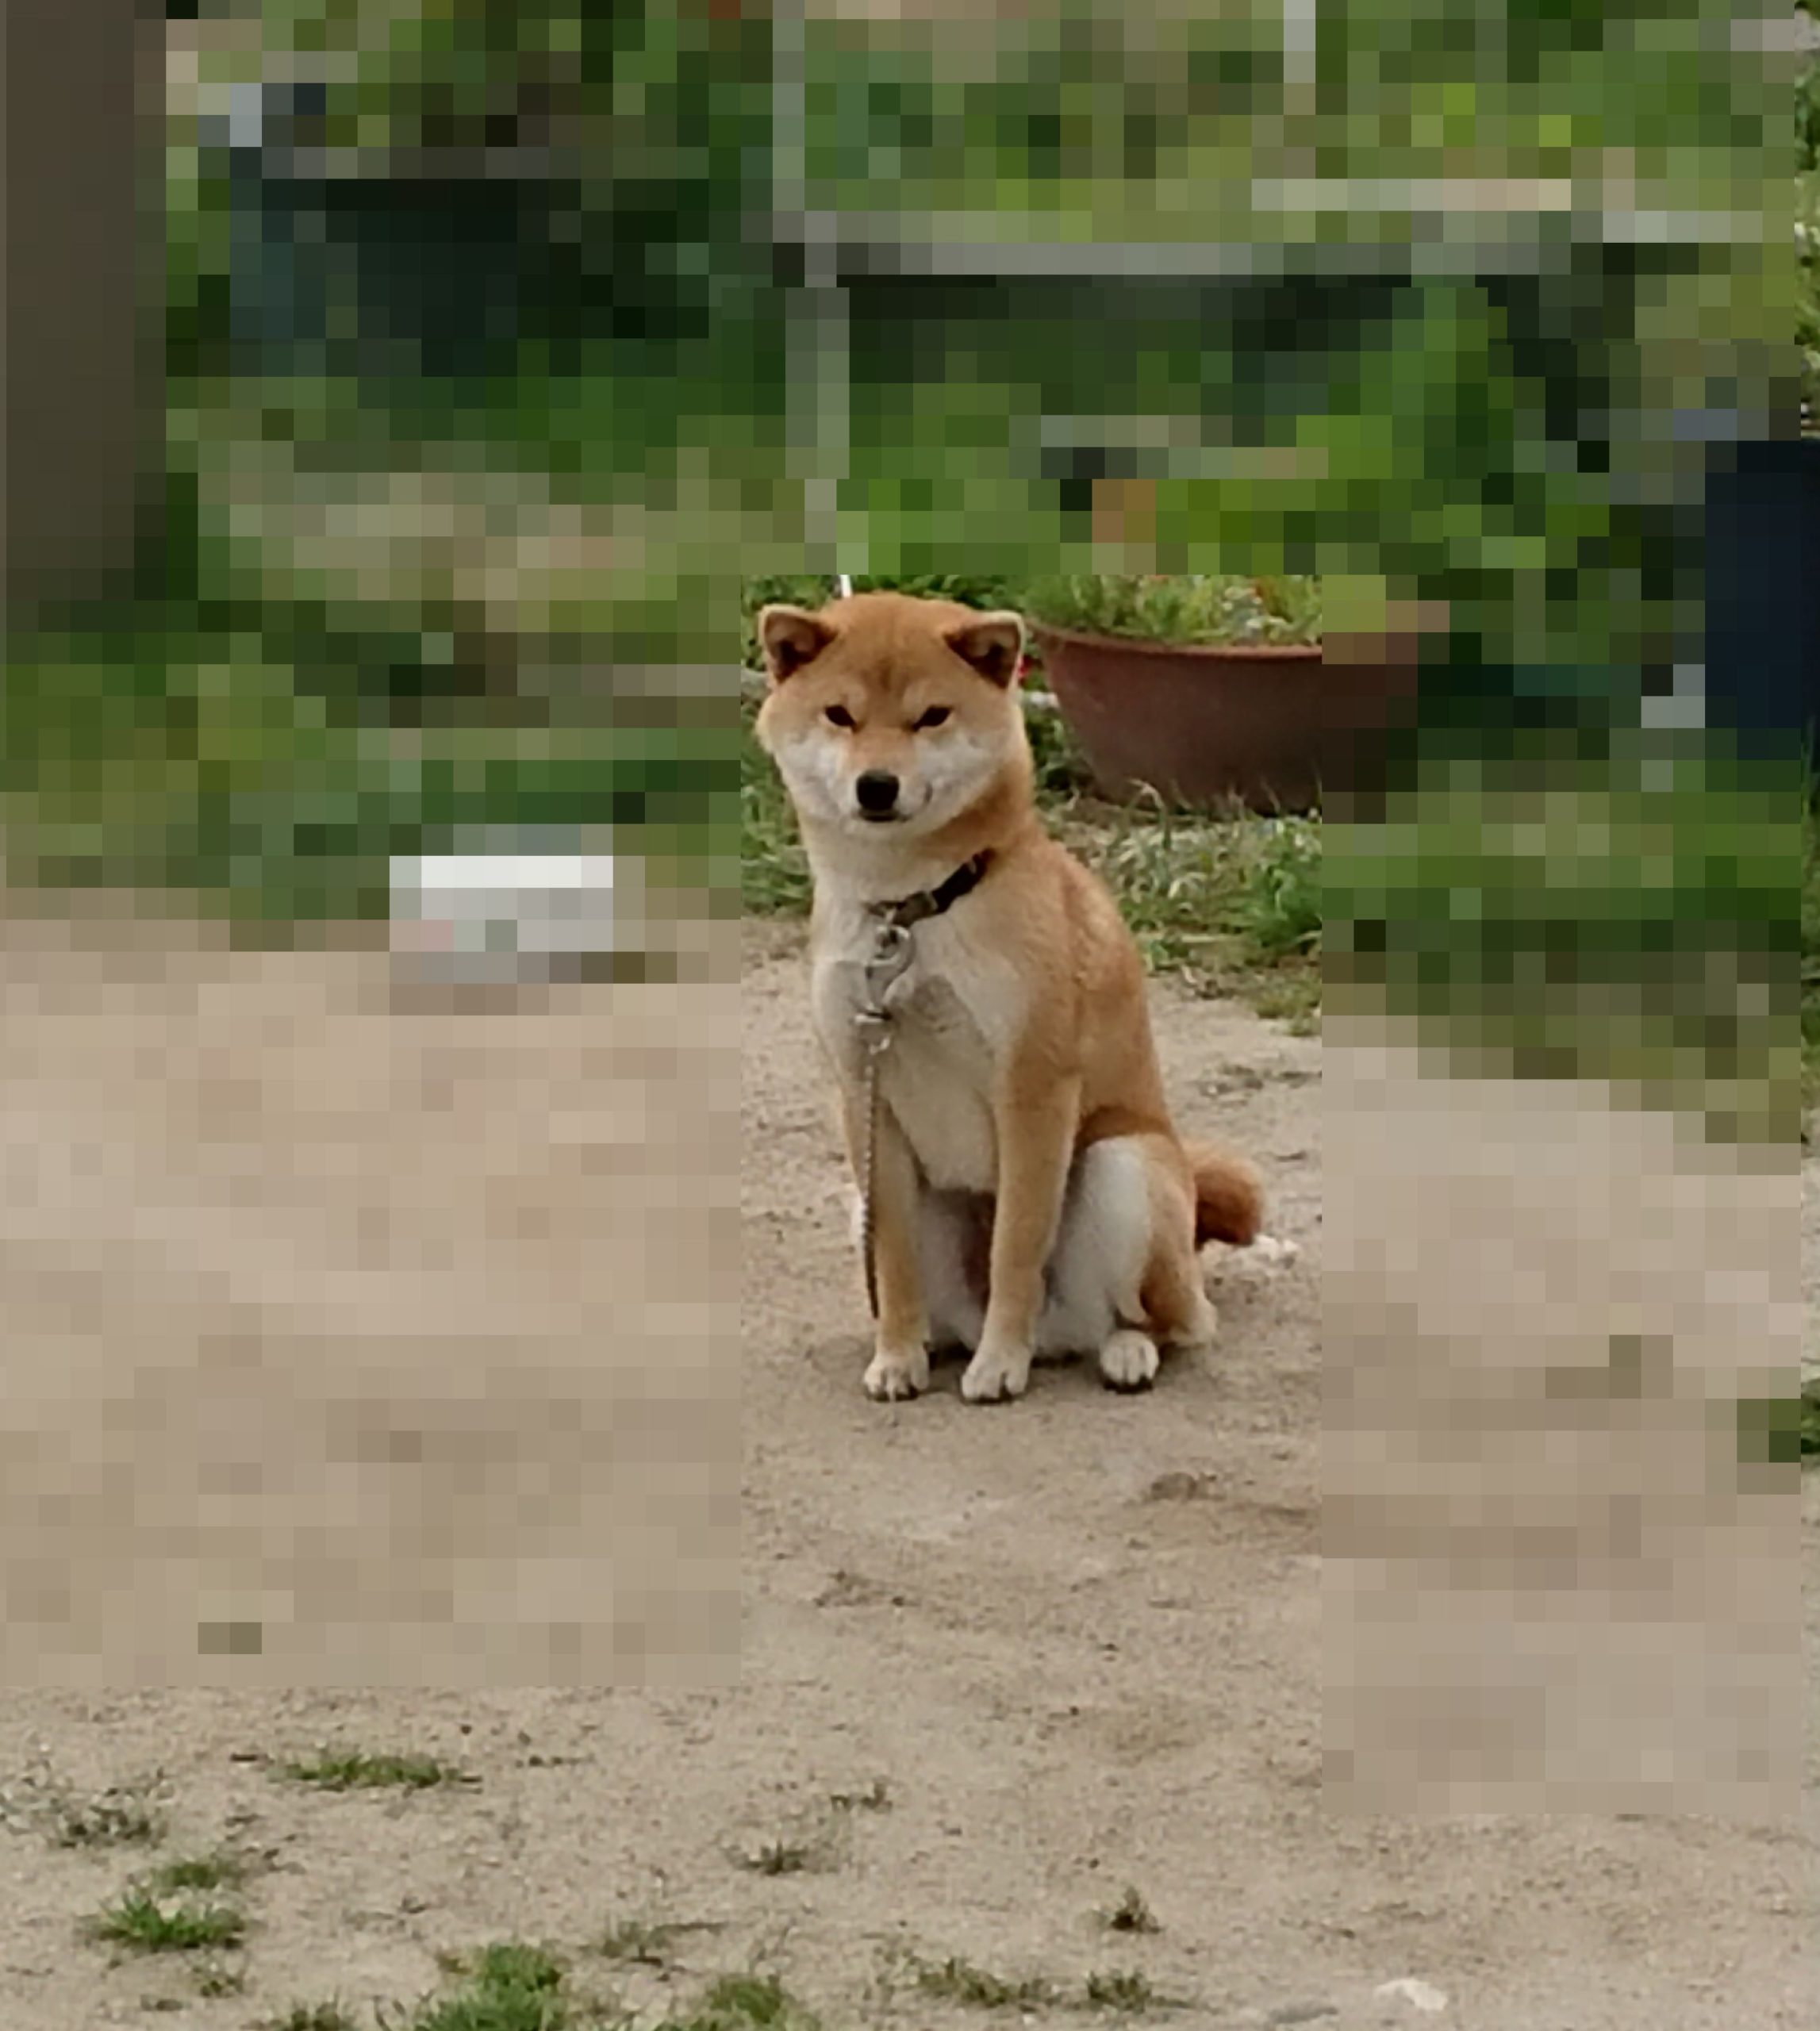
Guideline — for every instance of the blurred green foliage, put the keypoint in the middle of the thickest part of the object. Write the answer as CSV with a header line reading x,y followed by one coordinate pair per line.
x,y
197,761
1580,905
1492,440
1517,439
1205,608
1097,122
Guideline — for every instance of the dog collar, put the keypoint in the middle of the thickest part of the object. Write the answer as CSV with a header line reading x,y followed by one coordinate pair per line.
x,y
931,902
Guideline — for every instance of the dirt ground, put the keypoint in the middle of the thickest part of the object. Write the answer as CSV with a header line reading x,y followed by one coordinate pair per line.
x,y
997,1666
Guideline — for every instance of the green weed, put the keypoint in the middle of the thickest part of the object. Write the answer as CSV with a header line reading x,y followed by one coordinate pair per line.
x,y
1132,1913
1120,1990
508,1987
745,2002
959,1981
151,1923
352,1770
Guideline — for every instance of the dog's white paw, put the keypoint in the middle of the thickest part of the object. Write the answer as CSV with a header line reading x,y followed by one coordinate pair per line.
x,y
995,1375
893,1375
1129,1360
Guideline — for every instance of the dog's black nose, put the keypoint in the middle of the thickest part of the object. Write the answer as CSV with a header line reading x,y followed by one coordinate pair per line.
x,y
877,791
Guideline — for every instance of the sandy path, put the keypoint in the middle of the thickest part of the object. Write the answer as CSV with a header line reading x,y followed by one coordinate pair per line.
x,y
1077,1642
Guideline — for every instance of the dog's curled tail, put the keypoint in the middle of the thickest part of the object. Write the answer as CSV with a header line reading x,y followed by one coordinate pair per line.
x,y
1228,1197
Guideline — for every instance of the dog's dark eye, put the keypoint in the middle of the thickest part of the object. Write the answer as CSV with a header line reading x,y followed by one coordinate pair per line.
x,y
838,716
933,717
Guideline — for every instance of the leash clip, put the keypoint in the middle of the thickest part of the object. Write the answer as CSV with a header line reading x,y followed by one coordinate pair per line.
x,y
892,953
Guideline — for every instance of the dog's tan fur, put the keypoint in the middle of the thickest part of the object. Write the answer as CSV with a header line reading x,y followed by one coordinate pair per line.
x,y
1021,1095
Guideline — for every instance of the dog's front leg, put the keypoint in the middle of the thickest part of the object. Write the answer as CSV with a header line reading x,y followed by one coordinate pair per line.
x,y
899,1365
1036,1120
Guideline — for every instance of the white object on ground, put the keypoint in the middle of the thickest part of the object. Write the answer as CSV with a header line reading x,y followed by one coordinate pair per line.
x,y
1268,1252
500,914
1408,1989
1266,1256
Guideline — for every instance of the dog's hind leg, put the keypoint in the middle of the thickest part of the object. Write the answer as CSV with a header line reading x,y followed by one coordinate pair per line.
x,y
1095,1301
1175,1300
1125,1282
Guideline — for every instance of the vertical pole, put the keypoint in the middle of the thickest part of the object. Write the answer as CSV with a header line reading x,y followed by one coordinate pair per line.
x,y
1299,42
80,258
817,339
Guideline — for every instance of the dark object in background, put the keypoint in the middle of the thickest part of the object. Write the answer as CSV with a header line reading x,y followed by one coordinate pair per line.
x,y
81,417
1762,594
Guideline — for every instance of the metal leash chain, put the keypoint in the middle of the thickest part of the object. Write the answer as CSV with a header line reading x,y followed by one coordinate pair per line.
x,y
891,957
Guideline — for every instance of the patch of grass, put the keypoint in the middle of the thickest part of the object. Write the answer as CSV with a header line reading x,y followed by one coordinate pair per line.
x,y
1231,905
1132,1914
1062,769
1278,907
124,1816
1121,1990
958,1981
774,869
745,2002
151,1923
217,1980
129,1814
352,1770
508,1987
778,1857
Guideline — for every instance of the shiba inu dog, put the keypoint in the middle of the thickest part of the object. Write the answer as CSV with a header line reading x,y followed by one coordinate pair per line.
x,y
1028,1193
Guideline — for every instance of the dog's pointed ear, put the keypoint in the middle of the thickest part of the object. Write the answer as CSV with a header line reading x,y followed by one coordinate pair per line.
x,y
992,643
790,637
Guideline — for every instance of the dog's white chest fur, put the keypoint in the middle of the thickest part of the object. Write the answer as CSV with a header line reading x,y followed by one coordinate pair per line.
x,y
935,1076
